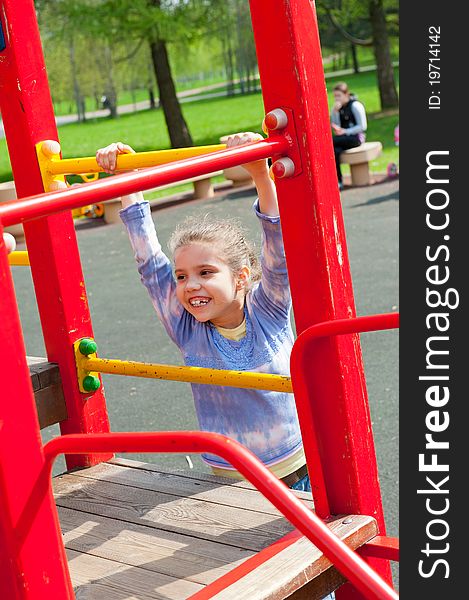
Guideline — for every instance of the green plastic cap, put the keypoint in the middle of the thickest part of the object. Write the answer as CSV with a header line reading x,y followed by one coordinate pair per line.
x,y
87,346
91,383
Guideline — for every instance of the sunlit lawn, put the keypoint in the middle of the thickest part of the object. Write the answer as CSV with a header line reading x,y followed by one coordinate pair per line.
x,y
208,120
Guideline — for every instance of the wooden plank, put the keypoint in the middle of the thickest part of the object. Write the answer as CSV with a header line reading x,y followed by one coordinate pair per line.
x,y
298,564
50,405
173,483
48,392
176,555
43,373
96,578
197,475
146,534
321,586
229,525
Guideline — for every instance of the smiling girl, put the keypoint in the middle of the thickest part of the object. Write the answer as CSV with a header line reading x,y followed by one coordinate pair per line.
x,y
225,311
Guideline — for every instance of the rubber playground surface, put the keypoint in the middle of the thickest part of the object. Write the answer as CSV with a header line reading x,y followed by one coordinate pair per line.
x,y
126,327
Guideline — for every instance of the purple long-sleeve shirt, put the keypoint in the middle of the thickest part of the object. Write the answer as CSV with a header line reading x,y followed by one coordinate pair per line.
x,y
265,422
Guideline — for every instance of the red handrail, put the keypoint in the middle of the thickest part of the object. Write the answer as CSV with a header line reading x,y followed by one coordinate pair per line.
x,y
353,325
381,546
348,562
301,346
48,203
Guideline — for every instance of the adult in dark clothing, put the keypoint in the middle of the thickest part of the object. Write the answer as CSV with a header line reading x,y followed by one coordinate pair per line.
x,y
348,121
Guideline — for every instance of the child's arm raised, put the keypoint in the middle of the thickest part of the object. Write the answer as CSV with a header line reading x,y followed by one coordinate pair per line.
x,y
272,295
153,265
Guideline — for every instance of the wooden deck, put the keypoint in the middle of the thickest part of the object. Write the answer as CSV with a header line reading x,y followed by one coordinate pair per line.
x,y
137,531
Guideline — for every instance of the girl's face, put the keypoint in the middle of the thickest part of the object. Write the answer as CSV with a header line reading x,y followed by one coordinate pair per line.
x,y
207,288
340,97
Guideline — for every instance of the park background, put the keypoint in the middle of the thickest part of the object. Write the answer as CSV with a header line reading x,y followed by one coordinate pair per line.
x,y
177,73
182,73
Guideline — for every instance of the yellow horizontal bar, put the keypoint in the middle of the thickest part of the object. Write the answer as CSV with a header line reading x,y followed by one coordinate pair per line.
x,y
240,379
20,258
139,160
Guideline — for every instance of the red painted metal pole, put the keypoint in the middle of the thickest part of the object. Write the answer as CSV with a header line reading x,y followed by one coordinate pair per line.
x,y
55,263
292,78
340,460
381,546
127,183
32,561
325,461
242,459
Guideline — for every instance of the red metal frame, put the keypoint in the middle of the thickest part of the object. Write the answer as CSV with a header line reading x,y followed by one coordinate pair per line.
x,y
337,461
346,560
28,118
340,457
292,77
381,546
56,202
25,570
327,367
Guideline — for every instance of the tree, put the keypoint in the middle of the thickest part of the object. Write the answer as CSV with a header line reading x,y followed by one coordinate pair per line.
x,y
230,22
386,83
154,22
349,15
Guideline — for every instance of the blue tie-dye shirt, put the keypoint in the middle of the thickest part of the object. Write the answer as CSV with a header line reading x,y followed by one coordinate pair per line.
x,y
265,422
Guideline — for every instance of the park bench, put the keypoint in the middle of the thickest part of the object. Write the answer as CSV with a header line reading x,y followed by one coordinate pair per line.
x,y
136,529
358,158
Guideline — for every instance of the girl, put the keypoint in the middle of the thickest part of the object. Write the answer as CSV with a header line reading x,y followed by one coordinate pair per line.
x,y
348,121
225,311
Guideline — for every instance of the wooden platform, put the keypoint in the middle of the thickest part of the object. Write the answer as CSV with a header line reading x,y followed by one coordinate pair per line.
x,y
137,531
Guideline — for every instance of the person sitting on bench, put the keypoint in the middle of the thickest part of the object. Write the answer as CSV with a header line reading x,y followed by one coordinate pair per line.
x,y
348,121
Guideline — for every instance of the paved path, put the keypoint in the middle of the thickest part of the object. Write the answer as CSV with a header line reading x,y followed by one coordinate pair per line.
x,y
192,95
126,327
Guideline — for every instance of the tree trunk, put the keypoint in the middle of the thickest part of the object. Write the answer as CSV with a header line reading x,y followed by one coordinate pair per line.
x,y
386,83
151,95
110,91
229,67
76,86
356,67
345,63
177,127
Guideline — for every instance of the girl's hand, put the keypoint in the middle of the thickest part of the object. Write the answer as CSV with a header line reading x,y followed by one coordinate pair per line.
x,y
337,129
337,106
107,160
256,168
107,157
259,171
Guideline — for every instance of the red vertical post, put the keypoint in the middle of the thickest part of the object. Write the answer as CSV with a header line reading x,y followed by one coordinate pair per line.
x,y
292,77
32,557
28,118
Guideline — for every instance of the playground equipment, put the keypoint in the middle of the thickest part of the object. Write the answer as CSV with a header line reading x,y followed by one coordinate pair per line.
x,y
327,371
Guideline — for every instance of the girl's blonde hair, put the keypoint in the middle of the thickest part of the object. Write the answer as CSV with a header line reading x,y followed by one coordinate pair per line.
x,y
227,235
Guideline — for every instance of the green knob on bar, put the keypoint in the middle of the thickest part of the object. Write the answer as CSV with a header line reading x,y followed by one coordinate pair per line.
x,y
87,346
91,383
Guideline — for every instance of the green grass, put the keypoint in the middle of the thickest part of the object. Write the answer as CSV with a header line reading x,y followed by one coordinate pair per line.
x,y
365,56
67,107
208,119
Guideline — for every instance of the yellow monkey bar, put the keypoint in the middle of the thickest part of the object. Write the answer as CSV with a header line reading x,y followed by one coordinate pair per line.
x,y
19,258
139,160
88,365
